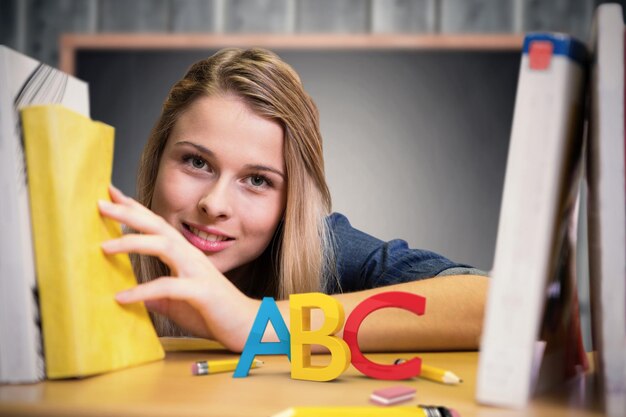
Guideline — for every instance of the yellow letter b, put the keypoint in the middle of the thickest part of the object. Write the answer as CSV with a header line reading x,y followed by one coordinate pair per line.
x,y
300,306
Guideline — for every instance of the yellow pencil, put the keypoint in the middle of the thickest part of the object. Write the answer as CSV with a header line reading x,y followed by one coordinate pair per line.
x,y
213,367
371,411
436,374
439,375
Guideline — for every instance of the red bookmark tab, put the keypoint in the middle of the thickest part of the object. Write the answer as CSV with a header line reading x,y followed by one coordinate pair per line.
x,y
540,54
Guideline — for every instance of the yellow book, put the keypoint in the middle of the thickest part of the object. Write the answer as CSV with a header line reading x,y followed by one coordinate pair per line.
x,y
85,331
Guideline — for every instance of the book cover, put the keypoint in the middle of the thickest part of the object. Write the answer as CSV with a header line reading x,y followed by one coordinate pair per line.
x,y
23,81
532,240
607,207
69,160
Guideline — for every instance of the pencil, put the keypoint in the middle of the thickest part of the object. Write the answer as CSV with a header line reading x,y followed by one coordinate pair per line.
x,y
435,374
217,366
372,411
439,375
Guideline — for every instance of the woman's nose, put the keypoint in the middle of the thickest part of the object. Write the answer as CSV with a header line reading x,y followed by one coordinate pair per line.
x,y
215,202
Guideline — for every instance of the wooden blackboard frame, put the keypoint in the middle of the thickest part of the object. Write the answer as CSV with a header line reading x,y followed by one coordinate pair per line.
x,y
70,44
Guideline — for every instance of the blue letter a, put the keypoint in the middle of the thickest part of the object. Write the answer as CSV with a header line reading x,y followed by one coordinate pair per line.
x,y
268,312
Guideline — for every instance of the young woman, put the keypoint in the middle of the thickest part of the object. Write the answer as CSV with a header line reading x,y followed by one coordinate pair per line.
x,y
233,206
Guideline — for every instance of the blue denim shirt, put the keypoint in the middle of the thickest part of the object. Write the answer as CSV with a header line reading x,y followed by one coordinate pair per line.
x,y
365,262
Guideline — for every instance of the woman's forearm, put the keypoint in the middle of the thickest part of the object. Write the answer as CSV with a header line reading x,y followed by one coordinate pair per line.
x,y
452,321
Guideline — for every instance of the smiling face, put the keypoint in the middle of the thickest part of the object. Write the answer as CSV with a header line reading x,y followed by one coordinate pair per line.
x,y
222,180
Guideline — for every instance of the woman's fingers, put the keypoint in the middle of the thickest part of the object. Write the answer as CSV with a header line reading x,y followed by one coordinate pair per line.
x,y
157,306
185,298
137,217
116,194
153,245
183,261
170,295
162,288
143,244
198,307
176,306
158,237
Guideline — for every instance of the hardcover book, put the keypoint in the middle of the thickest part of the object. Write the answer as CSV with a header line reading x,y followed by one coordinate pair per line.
x,y
532,297
69,161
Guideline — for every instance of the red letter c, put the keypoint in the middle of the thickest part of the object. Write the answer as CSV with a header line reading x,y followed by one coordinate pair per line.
x,y
404,300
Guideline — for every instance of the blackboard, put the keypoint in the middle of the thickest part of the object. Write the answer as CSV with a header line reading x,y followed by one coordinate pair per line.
x,y
415,140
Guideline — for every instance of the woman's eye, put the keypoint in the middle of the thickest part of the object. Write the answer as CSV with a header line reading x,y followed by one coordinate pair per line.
x,y
198,163
195,162
257,180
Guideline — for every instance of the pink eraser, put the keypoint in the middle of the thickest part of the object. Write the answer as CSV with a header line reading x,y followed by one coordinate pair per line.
x,y
392,395
454,412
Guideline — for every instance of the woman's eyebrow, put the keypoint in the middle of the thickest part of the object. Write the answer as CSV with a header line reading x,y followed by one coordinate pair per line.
x,y
200,148
265,168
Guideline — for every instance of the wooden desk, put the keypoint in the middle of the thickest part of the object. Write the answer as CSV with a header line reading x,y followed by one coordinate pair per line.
x,y
167,388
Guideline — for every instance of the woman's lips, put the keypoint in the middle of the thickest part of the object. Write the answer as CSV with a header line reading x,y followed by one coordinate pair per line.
x,y
206,242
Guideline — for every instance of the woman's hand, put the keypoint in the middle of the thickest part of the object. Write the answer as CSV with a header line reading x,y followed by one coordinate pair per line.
x,y
197,296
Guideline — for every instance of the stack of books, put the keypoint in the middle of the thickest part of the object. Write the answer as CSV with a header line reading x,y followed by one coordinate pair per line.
x,y
569,114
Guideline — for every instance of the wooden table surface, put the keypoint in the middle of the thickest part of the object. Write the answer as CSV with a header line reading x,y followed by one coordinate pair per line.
x,y
167,388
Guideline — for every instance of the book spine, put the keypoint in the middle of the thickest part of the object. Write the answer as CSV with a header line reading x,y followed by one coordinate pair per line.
x,y
607,208
547,109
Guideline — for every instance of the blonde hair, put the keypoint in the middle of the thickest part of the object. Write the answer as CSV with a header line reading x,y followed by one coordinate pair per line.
x,y
300,257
